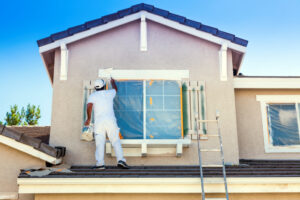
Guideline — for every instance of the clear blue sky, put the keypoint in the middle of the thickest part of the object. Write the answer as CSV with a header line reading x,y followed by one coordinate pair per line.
x,y
271,26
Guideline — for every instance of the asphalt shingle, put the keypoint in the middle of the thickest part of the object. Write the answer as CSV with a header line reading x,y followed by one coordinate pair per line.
x,y
247,168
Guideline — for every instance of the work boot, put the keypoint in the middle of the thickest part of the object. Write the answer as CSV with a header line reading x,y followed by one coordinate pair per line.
x,y
99,167
122,164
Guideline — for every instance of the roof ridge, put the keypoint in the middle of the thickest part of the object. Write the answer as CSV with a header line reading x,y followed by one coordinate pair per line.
x,y
137,8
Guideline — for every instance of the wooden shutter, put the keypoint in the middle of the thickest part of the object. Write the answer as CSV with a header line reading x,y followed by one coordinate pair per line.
x,y
193,99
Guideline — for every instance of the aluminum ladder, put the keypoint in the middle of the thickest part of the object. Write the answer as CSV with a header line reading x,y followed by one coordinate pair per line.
x,y
211,150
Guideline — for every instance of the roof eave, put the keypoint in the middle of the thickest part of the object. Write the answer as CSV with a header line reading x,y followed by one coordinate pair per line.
x,y
156,18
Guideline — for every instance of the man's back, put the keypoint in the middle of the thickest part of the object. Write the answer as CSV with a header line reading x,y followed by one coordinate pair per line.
x,y
103,105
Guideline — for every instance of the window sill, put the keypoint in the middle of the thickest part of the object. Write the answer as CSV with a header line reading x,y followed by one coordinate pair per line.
x,y
150,147
288,149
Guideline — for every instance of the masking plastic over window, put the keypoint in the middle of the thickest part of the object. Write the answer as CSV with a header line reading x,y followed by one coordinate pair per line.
x,y
283,124
162,109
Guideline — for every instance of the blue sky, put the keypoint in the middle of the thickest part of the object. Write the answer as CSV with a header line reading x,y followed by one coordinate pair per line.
x,y
271,26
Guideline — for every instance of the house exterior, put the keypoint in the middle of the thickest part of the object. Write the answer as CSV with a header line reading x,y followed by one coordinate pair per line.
x,y
23,148
150,47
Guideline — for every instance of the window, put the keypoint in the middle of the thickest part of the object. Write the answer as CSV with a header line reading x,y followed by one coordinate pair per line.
x,y
280,115
149,109
159,112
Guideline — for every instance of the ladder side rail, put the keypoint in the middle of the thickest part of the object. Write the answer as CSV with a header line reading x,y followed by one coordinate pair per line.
x,y
200,162
222,156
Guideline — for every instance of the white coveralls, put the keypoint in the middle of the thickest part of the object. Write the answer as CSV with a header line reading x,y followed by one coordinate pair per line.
x,y
105,122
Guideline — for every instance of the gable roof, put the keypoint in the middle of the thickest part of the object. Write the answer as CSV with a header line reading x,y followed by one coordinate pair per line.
x,y
39,132
30,145
137,8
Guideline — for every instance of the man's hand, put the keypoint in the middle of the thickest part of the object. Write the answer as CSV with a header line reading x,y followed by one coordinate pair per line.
x,y
87,122
112,81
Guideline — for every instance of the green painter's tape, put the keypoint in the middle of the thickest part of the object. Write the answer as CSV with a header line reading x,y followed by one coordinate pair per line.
x,y
84,104
185,108
203,108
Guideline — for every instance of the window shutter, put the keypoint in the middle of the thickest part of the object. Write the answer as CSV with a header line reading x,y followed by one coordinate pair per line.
x,y
193,100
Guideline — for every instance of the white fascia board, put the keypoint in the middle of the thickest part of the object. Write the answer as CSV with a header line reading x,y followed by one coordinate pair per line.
x,y
28,149
157,185
266,83
146,74
136,16
90,32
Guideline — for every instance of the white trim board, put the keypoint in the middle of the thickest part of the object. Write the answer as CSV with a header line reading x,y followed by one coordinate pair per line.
x,y
157,185
28,149
266,83
264,100
151,147
9,195
145,74
136,16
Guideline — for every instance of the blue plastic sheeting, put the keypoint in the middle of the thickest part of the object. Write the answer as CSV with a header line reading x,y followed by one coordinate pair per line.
x,y
128,107
163,110
283,125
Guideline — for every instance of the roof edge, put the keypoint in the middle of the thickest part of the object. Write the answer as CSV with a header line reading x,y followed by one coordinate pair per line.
x,y
137,8
32,146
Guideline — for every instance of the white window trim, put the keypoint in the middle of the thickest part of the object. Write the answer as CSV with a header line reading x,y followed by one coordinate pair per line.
x,y
145,74
264,100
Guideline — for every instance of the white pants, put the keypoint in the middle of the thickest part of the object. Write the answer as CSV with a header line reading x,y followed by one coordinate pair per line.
x,y
111,128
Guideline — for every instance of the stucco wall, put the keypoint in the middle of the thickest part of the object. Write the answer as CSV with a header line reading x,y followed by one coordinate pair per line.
x,y
264,196
249,124
11,163
119,48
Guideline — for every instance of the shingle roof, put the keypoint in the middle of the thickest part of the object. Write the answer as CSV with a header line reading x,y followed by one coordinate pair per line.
x,y
36,143
134,9
39,132
247,168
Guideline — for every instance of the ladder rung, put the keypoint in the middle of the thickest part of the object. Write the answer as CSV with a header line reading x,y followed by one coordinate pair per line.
x,y
210,150
207,120
208,165
209,135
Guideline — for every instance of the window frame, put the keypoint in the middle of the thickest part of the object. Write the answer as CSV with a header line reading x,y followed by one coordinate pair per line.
x,y
277,99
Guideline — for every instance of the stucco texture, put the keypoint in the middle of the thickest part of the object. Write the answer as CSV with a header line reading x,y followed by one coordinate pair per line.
x,y
249,124
11,162
264,196
119,48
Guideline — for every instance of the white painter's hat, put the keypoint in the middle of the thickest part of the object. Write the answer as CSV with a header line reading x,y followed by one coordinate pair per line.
x,y
99,83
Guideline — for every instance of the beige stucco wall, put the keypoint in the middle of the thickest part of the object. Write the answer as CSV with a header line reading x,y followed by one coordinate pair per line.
x,y
119,48
11,162
263,196
249,124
